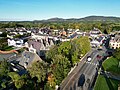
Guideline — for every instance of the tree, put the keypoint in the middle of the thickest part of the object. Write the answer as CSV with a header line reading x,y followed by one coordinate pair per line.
x,y
75,51
60,68
5,67
84,44
64,49
3,43
4,34
117,54
38,70
17,79
50,85
51,53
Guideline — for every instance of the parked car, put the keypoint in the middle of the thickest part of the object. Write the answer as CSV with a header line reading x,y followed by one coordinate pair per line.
x,y
99,57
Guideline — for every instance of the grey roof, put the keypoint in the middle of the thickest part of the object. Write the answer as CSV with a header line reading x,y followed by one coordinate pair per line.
x,y
117,38
37,44
41,44
27,58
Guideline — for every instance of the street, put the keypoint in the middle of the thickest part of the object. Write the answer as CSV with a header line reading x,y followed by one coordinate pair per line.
x,y
89,69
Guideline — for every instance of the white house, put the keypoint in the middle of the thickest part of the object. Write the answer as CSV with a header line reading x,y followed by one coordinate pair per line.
x,y
15,43
95,33
95,43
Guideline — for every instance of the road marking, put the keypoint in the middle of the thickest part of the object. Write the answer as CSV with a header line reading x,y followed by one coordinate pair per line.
x,y
71,78
64,86
92,63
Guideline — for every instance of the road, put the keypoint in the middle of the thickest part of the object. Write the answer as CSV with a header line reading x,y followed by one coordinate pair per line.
x,y
89,69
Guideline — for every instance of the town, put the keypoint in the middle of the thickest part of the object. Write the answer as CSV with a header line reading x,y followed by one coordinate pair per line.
x,y
59,44
27,48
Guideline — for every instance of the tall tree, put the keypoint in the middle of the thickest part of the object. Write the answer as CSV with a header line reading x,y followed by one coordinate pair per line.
x,y
60,68
17,79
84,44
51,53
117,54
38,70
5,67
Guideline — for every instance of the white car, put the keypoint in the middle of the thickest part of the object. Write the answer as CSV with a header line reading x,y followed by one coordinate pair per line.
x,y
89,59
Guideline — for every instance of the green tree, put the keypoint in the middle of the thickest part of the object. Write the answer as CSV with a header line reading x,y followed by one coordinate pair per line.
x,y
38,70
51,83
84,44
4,34
48,87
5,67
117,54
17,79
3,43
64,49
51,53
75,51
60,67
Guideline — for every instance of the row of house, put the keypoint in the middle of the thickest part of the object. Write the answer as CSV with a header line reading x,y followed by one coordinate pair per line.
x,y
43,33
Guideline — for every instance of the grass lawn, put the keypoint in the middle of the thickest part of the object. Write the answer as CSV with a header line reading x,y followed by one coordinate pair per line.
x,y
111,65
7,48
103,83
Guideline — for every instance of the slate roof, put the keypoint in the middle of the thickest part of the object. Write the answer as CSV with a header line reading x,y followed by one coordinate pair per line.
x,y
27,58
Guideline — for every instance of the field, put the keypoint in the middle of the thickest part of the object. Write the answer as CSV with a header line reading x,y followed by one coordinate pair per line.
x,y
111,65
106,84
103,83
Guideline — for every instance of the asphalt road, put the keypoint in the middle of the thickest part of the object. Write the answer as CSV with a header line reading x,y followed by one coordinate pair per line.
x,y
89,69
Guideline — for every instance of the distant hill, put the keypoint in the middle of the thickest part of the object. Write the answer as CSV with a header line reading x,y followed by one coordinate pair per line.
x,y
100,18
89,18
56,19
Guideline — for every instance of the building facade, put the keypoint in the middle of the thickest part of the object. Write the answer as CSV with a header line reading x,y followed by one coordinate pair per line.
x,y
115,42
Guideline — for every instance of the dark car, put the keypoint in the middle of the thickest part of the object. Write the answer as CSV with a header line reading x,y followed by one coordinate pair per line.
x,y
81,80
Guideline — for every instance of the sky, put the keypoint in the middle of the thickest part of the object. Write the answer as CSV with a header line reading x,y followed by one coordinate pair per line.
x,y
11,10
